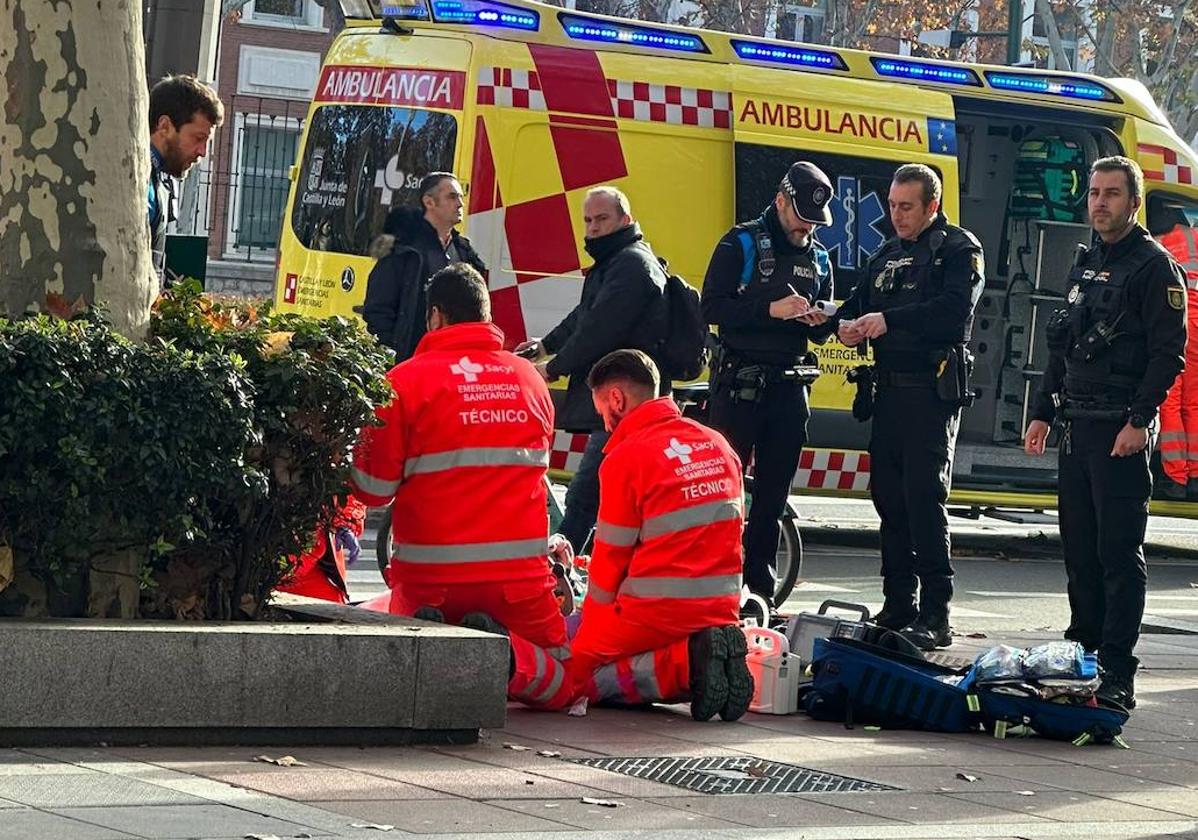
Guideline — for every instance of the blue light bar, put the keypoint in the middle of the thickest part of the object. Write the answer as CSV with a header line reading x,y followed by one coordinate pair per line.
x,y
405,11
591,29
485,13
1065,86
923,71
794,56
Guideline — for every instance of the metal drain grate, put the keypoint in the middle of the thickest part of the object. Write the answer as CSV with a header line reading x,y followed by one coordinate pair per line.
x,y
726,774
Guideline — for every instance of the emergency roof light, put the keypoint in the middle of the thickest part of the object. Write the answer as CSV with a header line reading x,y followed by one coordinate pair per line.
x,y
1068,87
924,71
594,29
801,57
416,10
485,13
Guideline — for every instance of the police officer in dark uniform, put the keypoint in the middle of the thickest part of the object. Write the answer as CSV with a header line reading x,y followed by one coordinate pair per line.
x,y
762,290
915,304
1114,352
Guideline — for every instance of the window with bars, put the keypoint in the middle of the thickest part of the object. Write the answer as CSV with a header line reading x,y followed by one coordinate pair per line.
x,y
801,22
266,149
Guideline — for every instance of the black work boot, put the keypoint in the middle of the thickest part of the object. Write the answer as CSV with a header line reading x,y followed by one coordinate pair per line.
x,y
427,613
1192,489
1117,689
482,622
898,608
736,668
895,618
708,653
929,632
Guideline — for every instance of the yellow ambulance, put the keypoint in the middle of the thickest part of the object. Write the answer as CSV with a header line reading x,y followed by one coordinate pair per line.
x,y
533,104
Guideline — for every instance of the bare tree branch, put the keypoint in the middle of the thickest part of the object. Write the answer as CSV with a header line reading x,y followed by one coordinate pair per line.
x,y
1049,19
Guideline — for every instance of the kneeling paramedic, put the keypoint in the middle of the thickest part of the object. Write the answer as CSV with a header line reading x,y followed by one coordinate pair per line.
x,y
658,623
463,449
762,289
915,304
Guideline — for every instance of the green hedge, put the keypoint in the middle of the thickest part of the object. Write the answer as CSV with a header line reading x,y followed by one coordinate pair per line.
x,y
183,470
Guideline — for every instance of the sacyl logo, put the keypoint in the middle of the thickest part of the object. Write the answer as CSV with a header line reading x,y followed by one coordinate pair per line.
x,y
467,369
678,450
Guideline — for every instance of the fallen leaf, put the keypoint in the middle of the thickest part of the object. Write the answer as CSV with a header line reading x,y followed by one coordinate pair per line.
x,y
727,774
756,772
6,570
965,777
276,343
976,636
516,747
262,837
549,753
602,803
281,761
529,782
375,826
1026,792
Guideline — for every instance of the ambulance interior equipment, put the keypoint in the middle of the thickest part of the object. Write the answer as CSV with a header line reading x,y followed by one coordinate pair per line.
x,y
1034,164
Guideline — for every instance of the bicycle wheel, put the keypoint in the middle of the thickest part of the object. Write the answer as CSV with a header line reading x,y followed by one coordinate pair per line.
x,y
382,543
789,559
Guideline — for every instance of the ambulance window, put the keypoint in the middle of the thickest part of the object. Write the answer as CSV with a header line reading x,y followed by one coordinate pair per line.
x,y
860,211
359,162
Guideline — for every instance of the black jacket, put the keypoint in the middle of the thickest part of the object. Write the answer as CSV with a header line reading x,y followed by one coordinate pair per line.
x,y
394,309
1144,289
742,309
623,305
927,289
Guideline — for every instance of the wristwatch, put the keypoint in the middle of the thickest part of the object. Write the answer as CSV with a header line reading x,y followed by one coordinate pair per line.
x,y
1138,421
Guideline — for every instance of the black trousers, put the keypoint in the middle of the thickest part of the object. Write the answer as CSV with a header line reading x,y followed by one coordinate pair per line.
x,y
1103,506
771,432
911,448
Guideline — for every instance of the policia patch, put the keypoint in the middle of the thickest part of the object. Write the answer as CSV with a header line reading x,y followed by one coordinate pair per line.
x,y
1177,298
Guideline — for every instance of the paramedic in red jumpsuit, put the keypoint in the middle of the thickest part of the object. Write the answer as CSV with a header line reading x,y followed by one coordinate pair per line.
x,y
320,572
1179,412
463,449
663,595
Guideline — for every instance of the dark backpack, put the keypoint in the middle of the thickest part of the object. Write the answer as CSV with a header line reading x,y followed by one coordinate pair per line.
x,y
684,352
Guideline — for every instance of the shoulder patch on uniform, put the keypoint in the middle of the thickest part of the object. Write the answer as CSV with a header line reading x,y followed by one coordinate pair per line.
x,y
1177,298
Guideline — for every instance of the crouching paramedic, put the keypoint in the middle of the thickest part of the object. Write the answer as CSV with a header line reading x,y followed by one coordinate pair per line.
x,y
659,620
463,449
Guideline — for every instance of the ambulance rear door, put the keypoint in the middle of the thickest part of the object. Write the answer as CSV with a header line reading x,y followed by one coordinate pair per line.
x,y
858,132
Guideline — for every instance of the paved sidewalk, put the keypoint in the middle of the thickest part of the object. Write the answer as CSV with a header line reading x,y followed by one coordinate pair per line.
x,y
1025,788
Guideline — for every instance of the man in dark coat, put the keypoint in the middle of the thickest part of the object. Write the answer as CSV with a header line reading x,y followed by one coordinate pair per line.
x,y
623,306
425,242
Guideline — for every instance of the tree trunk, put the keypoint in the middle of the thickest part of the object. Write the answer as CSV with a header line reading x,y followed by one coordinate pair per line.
x,y
1048,18
74,160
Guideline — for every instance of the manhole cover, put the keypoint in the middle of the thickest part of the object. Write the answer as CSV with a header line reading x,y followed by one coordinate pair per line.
x,y
724,774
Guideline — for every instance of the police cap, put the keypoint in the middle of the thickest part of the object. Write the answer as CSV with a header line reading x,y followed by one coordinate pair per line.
x,y
810,191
